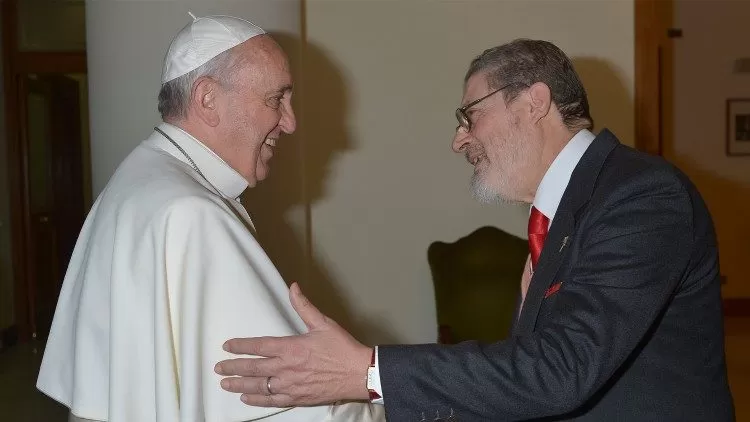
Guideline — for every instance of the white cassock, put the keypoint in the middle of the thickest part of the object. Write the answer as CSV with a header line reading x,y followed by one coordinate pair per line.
x,y
165,270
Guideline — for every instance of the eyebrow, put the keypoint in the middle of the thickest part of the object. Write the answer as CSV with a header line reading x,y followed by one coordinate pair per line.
x,y
284,89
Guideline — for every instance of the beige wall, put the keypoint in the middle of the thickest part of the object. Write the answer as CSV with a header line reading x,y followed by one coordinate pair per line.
x,y
714,36
382,180
6,275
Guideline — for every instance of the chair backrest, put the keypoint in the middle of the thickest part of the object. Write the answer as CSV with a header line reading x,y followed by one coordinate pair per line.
x,y
477,281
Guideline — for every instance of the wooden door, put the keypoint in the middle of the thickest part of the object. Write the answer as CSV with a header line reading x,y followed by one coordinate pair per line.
x,y
44,71
686,69
55,179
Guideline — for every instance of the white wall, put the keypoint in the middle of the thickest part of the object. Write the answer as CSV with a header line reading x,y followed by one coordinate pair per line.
x,y
6,274
703,80
378,131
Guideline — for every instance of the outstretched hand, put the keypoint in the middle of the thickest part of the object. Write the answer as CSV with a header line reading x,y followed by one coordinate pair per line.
x,y
322,366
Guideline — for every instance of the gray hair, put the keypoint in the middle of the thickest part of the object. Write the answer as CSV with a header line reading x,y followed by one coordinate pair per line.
x,y
522,63
174,96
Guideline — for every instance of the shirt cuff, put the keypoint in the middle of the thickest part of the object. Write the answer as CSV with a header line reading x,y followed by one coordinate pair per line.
x,y
373,379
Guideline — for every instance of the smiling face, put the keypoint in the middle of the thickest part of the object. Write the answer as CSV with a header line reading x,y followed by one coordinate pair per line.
x,y
255,109
501,144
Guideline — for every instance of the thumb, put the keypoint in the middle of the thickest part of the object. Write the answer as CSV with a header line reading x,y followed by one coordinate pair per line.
x,y
312,317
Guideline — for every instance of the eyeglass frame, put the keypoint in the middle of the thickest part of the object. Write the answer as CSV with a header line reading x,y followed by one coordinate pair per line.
x,y
461,111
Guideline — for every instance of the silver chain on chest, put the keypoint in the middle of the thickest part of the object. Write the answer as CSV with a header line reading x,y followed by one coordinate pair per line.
x,y
244,221
192,163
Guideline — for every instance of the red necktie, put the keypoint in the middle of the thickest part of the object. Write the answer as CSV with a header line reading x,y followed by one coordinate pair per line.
x,y
538,226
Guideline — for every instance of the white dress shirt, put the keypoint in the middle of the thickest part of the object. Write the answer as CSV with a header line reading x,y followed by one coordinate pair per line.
x,y
547,199
556,179
165,270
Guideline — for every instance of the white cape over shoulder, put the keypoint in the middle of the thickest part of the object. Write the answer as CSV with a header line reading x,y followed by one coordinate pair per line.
x,y
164,271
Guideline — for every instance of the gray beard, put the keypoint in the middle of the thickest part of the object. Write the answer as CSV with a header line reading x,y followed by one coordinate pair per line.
x,y
482,192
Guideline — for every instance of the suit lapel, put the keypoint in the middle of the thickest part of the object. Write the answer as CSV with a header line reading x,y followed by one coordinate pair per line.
x,y
577,194
549,264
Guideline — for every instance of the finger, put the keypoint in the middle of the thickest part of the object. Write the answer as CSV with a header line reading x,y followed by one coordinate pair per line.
x,y
261,400
248,385
312,317
258,346
249,367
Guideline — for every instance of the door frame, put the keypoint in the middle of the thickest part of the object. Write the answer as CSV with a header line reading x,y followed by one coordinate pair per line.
x,y
653,93
16,64
653,18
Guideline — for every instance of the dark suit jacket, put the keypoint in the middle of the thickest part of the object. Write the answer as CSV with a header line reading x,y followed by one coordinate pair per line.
x,y
634,332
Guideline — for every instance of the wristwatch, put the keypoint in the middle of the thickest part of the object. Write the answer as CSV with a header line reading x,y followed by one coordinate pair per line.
x,y
373,380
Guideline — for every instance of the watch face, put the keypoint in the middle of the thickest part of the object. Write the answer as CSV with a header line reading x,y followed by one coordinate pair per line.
x,y
374,396
370,383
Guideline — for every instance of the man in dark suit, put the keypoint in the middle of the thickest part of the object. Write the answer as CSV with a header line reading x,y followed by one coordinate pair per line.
x,y
619,317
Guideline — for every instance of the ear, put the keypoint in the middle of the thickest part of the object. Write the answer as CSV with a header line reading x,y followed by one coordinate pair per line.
x,y
540,101
204,100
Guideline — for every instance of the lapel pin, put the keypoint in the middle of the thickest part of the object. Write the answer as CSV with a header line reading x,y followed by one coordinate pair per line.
x,y
564,242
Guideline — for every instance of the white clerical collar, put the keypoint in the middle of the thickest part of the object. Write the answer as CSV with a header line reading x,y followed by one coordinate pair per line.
x,y
227,180
555,180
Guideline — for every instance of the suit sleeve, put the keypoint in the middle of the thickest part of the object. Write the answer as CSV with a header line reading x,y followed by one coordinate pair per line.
x,y
628,265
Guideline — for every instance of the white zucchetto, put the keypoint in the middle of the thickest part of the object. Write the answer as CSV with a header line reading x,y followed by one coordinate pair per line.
x,y
202,40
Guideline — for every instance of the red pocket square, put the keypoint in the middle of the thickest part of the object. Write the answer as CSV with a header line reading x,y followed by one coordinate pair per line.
x,y
552,289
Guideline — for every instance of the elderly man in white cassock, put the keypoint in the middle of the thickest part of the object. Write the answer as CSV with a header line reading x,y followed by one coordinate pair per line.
x,y
166,267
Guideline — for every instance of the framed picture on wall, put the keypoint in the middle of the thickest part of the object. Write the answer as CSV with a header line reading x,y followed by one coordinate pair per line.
x,y
738,126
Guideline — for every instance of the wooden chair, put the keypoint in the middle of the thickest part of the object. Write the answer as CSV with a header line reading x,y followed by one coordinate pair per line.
x,y
477,282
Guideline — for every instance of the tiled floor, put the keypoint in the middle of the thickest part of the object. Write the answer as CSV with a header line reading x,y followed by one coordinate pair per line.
x,y
21,402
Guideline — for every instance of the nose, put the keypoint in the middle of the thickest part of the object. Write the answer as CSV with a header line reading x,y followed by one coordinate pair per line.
x,y
460,140
288,122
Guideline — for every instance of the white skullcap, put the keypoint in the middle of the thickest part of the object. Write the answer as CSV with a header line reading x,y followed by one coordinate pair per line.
x,y
202,40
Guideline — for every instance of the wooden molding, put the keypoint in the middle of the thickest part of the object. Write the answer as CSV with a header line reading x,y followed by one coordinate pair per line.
x,y
652,60
54,62
646,79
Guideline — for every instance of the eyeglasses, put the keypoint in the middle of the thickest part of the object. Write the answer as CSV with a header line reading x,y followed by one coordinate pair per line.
x,y
463,118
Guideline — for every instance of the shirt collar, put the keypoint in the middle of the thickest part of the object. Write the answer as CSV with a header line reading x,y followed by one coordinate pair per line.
x,y
555,180
223,177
